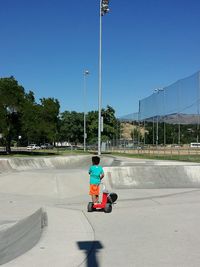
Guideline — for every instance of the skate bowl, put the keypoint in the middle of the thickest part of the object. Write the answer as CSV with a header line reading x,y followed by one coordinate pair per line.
x,y
55,183
22,218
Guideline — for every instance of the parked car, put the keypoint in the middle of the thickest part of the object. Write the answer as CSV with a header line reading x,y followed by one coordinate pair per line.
x,y
32,147
46,146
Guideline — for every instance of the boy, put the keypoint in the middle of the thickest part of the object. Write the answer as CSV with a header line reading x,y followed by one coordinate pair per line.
x,y
96,174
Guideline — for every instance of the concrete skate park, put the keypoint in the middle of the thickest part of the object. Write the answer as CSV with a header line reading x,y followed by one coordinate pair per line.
x,y
44,219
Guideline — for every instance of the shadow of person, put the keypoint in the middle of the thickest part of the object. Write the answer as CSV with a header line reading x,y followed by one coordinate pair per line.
x,y
91,248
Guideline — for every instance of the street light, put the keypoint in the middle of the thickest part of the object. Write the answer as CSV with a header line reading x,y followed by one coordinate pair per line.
x,y
103,10
157,91
86,72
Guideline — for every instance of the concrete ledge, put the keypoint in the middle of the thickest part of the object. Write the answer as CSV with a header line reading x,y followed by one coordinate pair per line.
x,y
19,237
154,176
57,162
22,164
5,165
58,246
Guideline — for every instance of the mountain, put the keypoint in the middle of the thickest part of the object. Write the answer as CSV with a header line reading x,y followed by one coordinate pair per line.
x,y
174,118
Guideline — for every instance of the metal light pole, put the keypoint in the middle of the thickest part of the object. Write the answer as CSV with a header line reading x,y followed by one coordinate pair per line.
x,y
156,104
153,132
164,132
86,72
198,97
103,10
157,132
157,91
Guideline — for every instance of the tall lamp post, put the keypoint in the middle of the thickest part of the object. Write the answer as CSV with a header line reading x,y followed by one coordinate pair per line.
x,y
103,10
158,111
86,72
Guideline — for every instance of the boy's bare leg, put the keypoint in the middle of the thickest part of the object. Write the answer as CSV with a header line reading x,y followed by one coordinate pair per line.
x,y
95,198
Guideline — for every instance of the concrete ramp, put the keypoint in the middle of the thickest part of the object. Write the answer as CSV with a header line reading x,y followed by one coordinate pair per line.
x,y
5,166
17,237
58,245
154,176
59,162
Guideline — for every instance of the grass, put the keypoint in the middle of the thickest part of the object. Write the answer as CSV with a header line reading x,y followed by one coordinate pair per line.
x,y
187,158
42,153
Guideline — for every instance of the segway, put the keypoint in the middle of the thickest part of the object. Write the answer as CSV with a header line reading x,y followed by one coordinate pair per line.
x,y
108,199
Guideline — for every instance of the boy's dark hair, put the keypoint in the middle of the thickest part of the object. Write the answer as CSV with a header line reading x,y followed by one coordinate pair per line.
x,y
95,160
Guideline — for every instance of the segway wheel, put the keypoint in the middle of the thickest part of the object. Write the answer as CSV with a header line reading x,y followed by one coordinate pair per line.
x,y
90,207
108,208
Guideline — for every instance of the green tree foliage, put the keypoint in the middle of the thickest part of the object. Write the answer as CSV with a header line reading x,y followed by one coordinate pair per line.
x,y
40,121
71,127
92,127
49,118
30,119
20,115
11,102
110,124
188,133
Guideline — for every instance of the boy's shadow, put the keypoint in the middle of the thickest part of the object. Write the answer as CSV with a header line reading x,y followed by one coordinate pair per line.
x,y
91,248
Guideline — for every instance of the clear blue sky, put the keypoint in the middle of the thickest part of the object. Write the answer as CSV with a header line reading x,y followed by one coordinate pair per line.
x,y
46,45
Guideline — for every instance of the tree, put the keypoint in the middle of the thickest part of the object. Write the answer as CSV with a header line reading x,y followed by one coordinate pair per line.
x,y
111,126
110,122
49,118
31,121
71,127
11,101
92,127
40,121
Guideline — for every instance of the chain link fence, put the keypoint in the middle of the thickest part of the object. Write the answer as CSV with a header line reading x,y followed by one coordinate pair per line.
x,y
167,121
